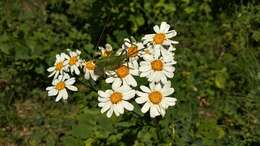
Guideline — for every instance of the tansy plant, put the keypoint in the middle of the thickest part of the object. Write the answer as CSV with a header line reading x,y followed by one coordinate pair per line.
x,y
152,59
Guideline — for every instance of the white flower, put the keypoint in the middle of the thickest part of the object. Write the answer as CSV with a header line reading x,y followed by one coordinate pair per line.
x,y
134,49
116,100
89,67
73,61
156,98
161,38
105,52
156,69
123,75
59,66
59,87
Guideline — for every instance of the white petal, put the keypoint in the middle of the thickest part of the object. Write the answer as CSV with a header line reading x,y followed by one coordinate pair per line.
x,y
116,84
156,28
72,88
55,81
101,104
168,74
103,94
146,107
128,105
141,94
116,110
105,107
169,68
134,72
163,79
131,81
52,74
103,99
141,100
65,94
157,51
144,74
152,86
167,42
157,76
145,89
128,95
167,91
87,75
94,77
120,107
145,68
56,74
164,27
77,70
50,88
170,101
123,89
171,34
52,92
70,81
158,87
51,69
110,112
110,80
60,95
154,112
161,111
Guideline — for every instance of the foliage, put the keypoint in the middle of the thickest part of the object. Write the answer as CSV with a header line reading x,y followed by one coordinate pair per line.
x,y
216,82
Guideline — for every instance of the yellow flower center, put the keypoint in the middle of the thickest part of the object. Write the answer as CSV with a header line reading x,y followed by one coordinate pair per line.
x,y
73,60
60,85
59,66
90,65
159,38
116,97
155,97
157,65
106,53
122,71
132,51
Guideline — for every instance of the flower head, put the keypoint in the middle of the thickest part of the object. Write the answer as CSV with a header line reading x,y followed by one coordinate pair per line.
x,y
59,67
160,38
60,86
156,69
123,75
156,98
89,67
116,100
74,61
133,49
105,52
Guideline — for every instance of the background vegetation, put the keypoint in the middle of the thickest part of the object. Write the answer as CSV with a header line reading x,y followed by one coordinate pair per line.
x,y
217,80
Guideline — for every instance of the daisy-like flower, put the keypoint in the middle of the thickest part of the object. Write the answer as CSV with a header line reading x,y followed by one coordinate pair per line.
x,y
59,66
160,38
105,52
156,98
73,61
123,75
116,100
60,86
156,69
134,49
89,67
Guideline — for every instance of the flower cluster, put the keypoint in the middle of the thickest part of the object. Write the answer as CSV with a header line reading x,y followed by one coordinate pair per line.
x,y
152,58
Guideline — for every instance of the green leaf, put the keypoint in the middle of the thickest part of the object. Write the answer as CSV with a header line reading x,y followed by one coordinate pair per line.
x,y
71,141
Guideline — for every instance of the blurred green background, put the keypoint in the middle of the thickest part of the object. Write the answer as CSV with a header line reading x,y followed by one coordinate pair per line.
x,y
217,78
